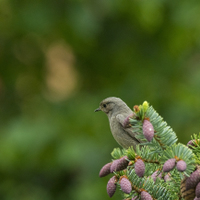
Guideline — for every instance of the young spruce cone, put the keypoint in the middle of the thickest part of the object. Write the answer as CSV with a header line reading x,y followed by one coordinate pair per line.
x,y
197,190
156,174
126,121
105,170
169,165
139,167
181,165
186,194
111,186
145,196
125,185
148,130
192,143
119,164
167,177
193,180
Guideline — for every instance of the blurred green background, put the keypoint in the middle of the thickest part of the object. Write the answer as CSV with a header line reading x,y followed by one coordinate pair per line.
x,y
59,59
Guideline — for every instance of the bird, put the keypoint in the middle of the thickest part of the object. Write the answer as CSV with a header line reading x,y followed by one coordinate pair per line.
x,y
118,115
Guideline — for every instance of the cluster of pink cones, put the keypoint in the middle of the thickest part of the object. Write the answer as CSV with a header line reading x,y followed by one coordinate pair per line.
x,y
171,163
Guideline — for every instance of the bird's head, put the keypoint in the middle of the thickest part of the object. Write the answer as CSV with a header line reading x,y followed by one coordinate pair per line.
x,y
111,105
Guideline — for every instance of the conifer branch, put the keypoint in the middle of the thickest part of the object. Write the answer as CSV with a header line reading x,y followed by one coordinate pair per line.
x,y
159,168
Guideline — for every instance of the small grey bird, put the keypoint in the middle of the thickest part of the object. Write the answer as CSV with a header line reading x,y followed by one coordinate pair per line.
x,y
118,114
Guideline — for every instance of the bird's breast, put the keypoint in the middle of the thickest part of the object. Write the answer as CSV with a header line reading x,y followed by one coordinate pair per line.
x,y
122,137
117,130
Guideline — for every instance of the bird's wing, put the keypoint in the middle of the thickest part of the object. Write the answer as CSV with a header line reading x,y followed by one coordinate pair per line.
x,y
124,121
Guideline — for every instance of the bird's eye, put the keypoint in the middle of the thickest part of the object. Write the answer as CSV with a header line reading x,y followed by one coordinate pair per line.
x,y
104,105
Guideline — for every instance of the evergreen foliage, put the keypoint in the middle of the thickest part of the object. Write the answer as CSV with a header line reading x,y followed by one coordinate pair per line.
x,y
161,167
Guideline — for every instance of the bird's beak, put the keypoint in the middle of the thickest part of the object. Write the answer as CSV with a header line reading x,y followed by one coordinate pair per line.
x,y
98,109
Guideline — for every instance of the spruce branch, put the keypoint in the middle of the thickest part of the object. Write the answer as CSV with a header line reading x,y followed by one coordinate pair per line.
x,y
159,168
